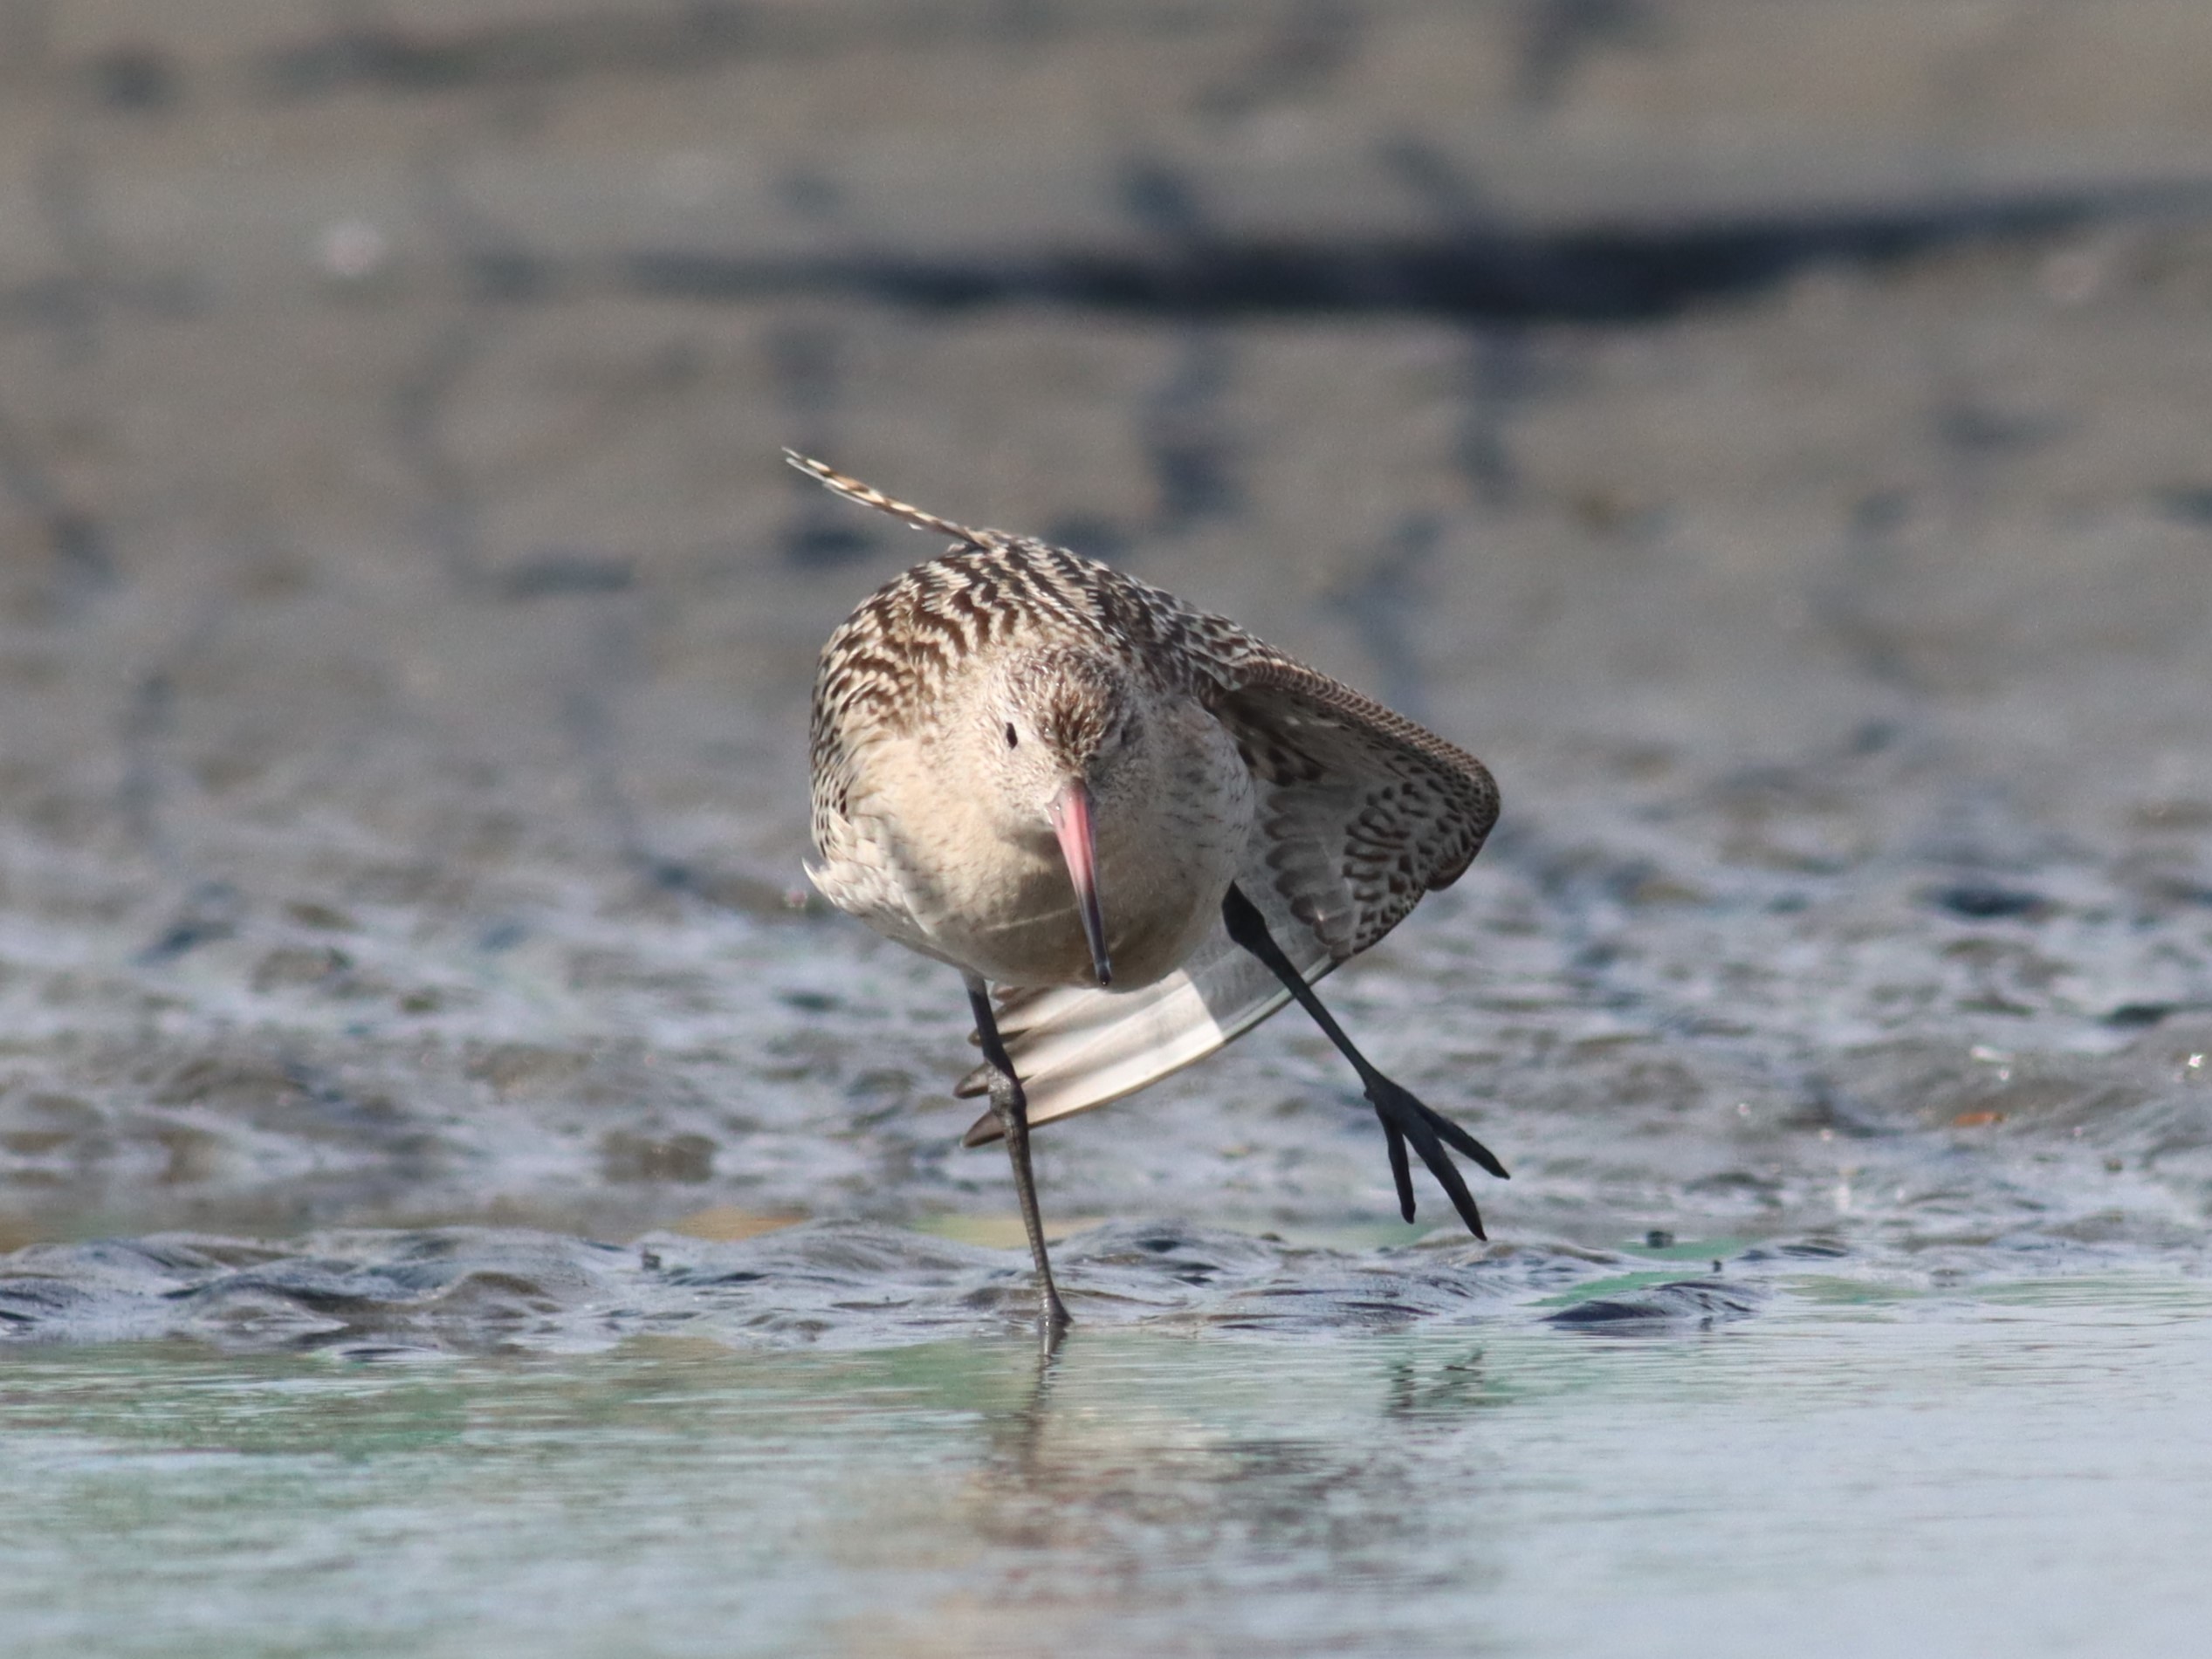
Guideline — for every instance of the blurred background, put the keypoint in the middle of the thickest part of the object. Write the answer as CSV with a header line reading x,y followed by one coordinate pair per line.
x,y
1772,433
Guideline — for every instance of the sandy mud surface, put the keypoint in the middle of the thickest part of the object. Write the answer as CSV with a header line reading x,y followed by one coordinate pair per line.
x,y
1781,459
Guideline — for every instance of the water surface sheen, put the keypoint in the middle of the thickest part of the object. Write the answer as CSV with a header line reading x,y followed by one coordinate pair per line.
x,y
2022,1473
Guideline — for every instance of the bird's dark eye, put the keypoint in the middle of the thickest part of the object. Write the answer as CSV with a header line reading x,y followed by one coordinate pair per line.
x,y
1013,737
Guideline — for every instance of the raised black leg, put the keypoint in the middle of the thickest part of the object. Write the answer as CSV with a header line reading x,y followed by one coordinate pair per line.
x,y
1403,1117
1011,1107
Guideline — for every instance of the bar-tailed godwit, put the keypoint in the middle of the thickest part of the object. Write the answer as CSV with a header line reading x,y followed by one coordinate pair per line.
x,y
1145,828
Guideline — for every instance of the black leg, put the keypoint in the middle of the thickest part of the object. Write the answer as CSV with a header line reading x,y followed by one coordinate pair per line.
x,y
1404,1118
1011,1109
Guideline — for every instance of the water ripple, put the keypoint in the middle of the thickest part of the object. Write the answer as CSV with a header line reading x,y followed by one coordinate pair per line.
x,y
839,1284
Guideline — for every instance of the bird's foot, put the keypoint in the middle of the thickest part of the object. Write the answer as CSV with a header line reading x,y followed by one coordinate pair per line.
x,y
1405,1118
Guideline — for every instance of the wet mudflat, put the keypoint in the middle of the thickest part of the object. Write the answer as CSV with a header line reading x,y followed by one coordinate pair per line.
x,y
1865,1468
461,1194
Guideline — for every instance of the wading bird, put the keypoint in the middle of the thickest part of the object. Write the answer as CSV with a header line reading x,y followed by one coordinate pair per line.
x,y
1144,827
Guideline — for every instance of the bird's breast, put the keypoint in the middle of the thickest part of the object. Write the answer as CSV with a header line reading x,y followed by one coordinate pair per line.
x,y
1006,908
991,892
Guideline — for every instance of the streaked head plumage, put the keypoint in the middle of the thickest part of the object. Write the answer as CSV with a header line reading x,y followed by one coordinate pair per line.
x,y
1078,704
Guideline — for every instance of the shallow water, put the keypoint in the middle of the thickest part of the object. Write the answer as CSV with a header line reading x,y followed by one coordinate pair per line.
x,y
1858,1470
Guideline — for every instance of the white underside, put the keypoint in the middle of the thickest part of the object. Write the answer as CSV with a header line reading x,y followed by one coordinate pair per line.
x,y
1075,1049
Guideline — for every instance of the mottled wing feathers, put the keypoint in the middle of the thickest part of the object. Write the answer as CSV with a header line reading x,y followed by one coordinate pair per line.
x,y
1361,811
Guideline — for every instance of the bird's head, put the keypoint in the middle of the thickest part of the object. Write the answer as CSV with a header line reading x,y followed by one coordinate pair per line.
x,y
1066,723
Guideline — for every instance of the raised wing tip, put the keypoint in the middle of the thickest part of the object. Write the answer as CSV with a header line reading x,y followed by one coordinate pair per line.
x,y
827,475
867,494
983,1131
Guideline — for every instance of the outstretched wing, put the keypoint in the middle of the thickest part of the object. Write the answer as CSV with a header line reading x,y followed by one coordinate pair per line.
x,y
1360,812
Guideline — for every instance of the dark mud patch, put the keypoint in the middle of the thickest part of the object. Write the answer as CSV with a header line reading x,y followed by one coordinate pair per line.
x,y
1602,274
1701,1303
